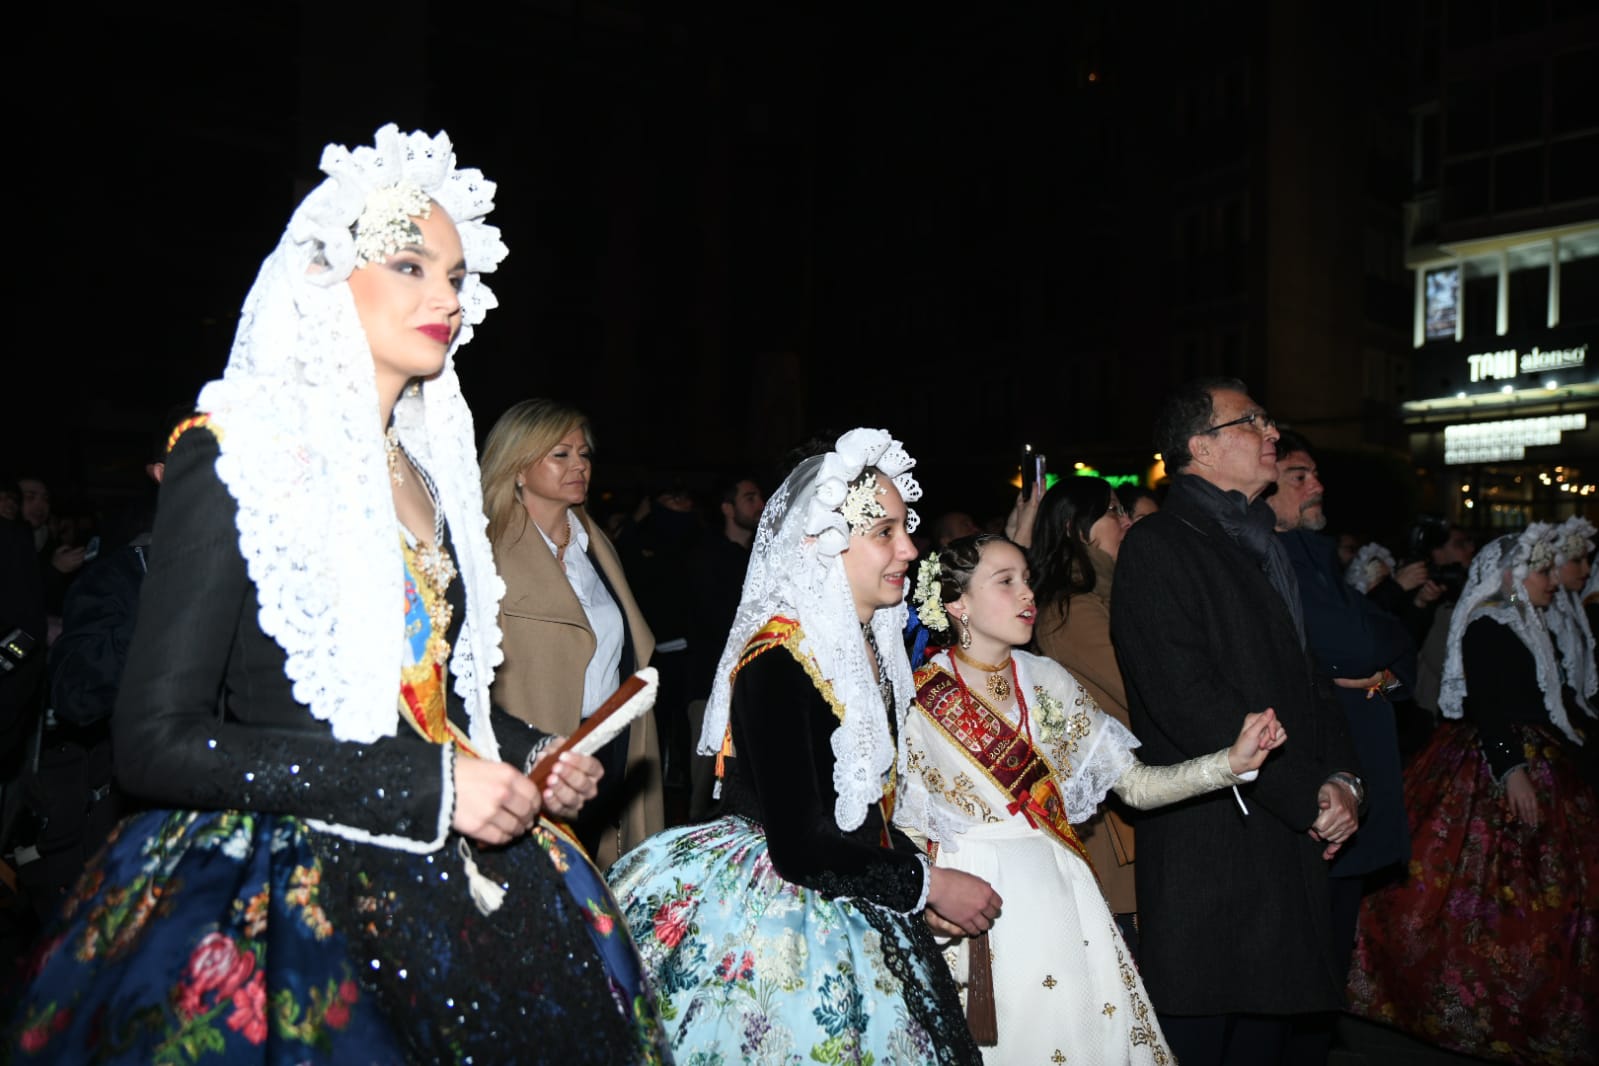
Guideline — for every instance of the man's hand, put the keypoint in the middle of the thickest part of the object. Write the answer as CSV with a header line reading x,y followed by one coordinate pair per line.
x,y
1411,576
1428,594
1358,682
67,560
1339,817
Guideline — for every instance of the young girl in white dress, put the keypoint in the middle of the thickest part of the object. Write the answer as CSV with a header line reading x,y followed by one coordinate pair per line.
x,y
1004,751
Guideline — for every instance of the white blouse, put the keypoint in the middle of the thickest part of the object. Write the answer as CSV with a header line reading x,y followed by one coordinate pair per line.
x,y
600,678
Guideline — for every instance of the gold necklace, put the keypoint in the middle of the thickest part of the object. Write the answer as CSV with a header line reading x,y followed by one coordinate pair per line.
x,y
391,451
998,684
566,527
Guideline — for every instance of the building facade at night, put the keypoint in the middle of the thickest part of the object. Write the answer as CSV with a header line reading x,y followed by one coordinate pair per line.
x,y
1502,239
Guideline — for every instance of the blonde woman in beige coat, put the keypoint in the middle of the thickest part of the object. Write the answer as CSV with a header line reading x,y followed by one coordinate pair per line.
x,y
572,630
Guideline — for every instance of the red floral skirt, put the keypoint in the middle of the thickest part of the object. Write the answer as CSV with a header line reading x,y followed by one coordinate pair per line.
x,y
1491,945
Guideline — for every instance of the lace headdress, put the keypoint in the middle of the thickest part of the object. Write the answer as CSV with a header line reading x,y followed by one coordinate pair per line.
x,y
1369,566
795,571
1493,590
1568,622
303,454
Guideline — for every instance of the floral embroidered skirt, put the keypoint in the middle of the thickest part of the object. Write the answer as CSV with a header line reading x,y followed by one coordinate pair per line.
x,y
234,937
751,968
1491,945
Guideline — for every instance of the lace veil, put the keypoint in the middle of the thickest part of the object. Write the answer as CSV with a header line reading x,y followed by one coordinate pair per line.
x,y
1568,622
795,571
303,454
1493,590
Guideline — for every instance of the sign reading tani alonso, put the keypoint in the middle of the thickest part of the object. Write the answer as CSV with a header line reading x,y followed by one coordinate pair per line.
x,y
1511,362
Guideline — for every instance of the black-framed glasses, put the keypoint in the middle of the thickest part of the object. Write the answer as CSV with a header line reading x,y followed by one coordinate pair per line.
x,y
1259,421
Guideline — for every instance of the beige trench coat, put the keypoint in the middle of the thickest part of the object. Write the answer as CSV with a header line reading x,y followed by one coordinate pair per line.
x,y
548,644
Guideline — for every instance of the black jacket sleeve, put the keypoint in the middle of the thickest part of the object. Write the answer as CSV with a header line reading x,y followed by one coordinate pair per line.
x,y
782,733
206,717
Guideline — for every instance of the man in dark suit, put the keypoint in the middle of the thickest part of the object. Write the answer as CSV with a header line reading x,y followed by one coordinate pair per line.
x,y
1232,890
1364,658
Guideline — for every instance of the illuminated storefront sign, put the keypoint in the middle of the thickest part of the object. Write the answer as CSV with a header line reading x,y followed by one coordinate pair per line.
x,y
1489,442
1509,362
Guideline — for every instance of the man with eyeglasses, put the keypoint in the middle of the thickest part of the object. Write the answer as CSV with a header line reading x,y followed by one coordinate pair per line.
x,y
1208,627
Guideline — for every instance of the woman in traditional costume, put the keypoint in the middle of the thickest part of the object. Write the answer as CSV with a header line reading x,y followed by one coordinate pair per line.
x,y
1568,621
1491,946
1004,751
350,864
795,926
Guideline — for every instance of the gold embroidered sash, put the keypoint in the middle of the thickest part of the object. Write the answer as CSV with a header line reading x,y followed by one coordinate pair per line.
x,y
1002,754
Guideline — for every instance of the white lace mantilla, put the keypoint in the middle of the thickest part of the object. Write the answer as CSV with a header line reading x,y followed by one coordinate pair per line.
x,y
795,571
302,451
1493,590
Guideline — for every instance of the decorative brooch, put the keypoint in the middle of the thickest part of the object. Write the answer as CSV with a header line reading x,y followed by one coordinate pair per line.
x,y
1051,715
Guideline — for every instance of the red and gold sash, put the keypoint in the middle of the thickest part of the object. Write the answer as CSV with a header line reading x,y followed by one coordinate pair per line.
x,y
1000,753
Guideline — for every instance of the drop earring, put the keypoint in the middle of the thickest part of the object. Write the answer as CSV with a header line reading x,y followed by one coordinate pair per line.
x,y
966,632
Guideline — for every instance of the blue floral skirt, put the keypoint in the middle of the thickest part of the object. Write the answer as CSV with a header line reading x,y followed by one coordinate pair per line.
x,y
748,967
235,937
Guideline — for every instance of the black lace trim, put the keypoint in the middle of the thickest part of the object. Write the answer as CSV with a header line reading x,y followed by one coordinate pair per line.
x,y
934,1005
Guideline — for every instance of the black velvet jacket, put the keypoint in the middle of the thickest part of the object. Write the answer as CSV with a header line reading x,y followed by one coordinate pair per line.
x,y
782,779
1502,692
206,717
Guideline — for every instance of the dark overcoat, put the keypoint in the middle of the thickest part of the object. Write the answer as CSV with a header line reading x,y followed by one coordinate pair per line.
x,y
1233,907
1350,636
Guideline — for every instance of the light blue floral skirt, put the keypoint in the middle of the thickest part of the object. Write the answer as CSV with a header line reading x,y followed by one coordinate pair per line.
x,y
750,968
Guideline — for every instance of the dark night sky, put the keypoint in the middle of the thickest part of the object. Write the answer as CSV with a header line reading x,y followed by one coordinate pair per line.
x,y
728,227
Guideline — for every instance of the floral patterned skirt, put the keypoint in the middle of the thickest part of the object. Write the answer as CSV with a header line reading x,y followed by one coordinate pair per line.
x,y
1491,945
750,968
195,936
235,937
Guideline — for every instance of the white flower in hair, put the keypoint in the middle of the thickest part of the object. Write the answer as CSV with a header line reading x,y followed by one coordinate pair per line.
x,y
1574,539
385,224
1535,550
927,596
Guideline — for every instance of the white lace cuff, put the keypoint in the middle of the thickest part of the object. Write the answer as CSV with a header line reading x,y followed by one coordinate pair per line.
x,y
927,885
394,841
